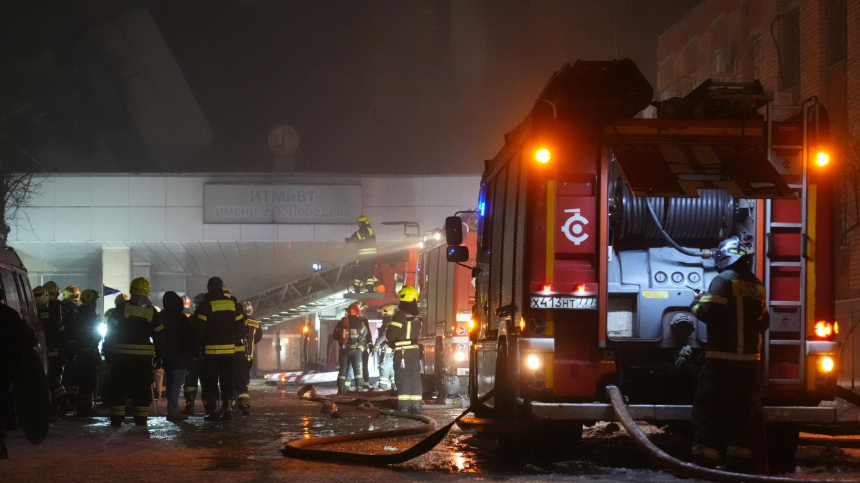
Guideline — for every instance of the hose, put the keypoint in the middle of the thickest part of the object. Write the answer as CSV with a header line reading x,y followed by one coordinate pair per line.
x,y
681,468
299,448
686,251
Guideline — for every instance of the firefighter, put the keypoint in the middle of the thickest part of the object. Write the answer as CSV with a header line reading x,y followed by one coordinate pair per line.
x,y
245,359
365,241
340,335
727,411
368,348
69,314
217,324
385,354
16,338
55,341
177,350
195,369
402,336
132,346
350,356
87,357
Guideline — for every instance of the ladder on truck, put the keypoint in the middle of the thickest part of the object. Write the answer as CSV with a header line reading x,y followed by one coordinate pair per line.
x,y
786,242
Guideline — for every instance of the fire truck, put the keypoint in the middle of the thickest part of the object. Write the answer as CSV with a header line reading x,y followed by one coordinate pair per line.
x,y
595,227
446,296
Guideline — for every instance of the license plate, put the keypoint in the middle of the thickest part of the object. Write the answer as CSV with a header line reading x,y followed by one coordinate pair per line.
x,y
462,371
570,303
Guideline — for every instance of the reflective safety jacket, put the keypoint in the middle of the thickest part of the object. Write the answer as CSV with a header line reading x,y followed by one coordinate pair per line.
x,y
253,336
365,241
358,333
133,331
403,332
56,339
341,331
380,337
219,325
86,329
735,311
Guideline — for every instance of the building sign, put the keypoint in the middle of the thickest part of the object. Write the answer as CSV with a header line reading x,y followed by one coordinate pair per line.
x,y
284,204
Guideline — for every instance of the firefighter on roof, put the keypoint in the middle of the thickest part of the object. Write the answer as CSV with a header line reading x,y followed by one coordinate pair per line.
x,y
727,411
402,336
385,354
133,343
56,341
87,357
218,323
350,356
245,359
365,241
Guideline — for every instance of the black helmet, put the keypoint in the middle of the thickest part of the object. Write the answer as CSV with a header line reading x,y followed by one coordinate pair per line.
x,y
730,251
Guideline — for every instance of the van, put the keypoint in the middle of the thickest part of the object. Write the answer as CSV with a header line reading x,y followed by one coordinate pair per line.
x,y
16,293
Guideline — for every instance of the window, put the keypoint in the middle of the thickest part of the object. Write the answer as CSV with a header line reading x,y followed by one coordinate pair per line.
x,y
722,56
27,302
691,66
10,290
755,58
791,50
838,30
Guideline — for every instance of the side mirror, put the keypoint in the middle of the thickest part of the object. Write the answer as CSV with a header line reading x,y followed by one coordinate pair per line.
x,y
453,231
458,253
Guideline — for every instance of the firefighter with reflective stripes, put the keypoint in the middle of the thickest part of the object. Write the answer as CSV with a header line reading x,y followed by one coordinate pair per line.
x,y
195,369
356,342
218,324
385,354
727,412
133,343
69,314
368,348
87,357
402,336
245,359
56,341
365,240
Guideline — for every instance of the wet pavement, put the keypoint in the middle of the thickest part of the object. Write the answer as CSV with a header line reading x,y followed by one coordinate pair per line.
x,y
249,449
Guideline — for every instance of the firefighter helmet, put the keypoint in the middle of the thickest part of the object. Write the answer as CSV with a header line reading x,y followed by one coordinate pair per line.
x,y
353,310
51,288
387,310
226,290
363,219
89,295
362,308
40,295
248,307
140,286
730,251
120,298
407,294
198,299
72,293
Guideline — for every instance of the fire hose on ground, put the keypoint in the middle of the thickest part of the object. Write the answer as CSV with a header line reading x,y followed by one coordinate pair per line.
x,y
300,448
681,468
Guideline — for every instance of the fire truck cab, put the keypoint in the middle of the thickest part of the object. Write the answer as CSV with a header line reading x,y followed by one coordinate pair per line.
x,y
595,227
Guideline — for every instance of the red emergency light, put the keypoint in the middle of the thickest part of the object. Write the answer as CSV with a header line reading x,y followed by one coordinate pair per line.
x,y
581,287
547,287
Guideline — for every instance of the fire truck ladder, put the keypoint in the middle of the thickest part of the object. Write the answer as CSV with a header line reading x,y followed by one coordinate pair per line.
x,y
786,238
324,289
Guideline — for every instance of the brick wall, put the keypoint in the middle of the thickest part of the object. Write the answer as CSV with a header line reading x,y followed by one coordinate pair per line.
x,y
757,30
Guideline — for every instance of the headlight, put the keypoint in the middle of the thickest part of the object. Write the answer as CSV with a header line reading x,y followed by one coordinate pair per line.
x,y
460,356
533,361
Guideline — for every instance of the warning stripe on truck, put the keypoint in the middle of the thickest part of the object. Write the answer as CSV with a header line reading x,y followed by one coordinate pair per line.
x,y
300,376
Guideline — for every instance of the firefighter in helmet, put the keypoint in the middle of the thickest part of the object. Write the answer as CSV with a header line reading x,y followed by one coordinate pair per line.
x,y
727,412
245,358
384,353
365,240
217,324
350,356
133,344
56,340
69,314
87,357
402,336
195,369
366,349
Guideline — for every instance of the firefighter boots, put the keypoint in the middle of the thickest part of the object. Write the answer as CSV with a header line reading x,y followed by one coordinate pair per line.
x,y
212,411
116,421
226,410
140,420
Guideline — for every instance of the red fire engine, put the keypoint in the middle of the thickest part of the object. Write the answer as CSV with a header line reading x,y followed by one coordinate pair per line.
x,y
596,226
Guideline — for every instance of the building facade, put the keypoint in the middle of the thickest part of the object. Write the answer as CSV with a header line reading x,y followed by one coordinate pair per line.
x,y
798,49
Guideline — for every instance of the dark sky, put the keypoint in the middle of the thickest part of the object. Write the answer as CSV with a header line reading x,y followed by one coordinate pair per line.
x,y
374,86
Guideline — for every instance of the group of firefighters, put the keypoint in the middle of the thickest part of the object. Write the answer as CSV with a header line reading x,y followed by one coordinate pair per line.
x,y
396,345
214,345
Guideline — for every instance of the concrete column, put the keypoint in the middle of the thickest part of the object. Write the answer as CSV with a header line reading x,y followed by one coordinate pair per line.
x,y
116,272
